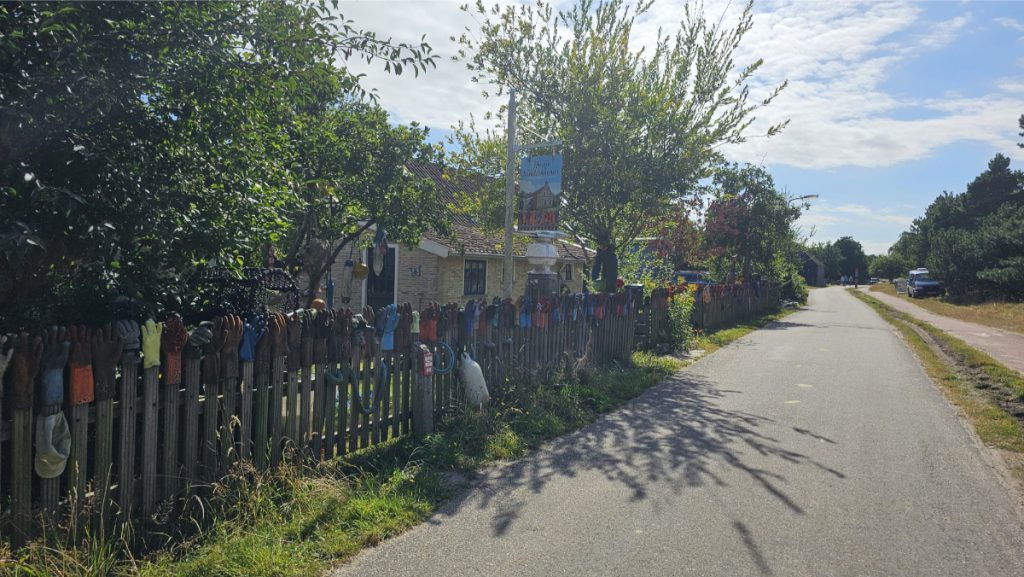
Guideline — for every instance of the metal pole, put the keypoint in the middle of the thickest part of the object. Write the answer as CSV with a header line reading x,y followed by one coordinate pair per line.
x,y
510,184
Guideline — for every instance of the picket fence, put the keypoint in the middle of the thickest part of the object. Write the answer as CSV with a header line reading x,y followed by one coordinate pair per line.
x,y
151,443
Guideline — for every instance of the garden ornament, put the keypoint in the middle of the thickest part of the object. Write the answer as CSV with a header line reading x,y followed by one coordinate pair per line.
x,y
472,377
171,344
107,348
55,357
151,332
82,387
53,445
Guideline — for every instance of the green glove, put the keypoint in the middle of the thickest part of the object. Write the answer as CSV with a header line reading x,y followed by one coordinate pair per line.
x,y
151,332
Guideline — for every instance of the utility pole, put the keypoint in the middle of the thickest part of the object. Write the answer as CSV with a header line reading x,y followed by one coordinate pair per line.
x,y
510,185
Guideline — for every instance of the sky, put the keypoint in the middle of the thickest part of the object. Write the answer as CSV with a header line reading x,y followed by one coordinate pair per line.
x,y
890,103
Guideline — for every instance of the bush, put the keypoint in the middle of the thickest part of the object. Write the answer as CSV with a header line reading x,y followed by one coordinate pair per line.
x,y
680,321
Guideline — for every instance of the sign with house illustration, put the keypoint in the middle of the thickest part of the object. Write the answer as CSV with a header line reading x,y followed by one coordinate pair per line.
x,y
540,192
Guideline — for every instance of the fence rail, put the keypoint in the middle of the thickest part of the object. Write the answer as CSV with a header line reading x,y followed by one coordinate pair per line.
x,y
319,384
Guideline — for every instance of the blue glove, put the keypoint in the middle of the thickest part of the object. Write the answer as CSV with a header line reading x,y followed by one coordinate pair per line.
x,y
56,348
253,331
469,317
387,342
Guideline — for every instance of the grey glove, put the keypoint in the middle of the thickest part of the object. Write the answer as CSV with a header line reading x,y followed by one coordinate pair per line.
x,y
129,331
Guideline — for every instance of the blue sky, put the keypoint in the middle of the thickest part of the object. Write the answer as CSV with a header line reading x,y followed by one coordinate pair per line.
x,y
890,103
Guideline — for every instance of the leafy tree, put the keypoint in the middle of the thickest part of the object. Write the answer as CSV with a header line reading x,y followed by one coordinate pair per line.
x,y
852,258
141,140
973,241
349,169
748,226
886,266
639,127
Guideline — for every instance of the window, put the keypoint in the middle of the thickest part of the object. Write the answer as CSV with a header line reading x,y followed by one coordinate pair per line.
x,y
475,280
566,273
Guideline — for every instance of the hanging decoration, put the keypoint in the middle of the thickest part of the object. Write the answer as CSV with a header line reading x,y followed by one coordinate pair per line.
x,y
380,251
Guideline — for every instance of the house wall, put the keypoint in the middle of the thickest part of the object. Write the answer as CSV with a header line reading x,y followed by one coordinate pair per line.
x,y
424,277
451,276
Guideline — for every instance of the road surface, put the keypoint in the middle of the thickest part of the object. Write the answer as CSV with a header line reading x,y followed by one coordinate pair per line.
x,y
816,447
1007,347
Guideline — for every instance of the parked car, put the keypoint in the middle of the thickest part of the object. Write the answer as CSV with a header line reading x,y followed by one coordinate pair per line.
x,y
873,280
920,284
695,277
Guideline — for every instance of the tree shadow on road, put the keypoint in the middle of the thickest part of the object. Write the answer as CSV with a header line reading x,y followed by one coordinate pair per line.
x,y
675,434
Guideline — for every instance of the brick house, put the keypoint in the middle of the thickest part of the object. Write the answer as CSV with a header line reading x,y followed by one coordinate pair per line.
x,y
452,270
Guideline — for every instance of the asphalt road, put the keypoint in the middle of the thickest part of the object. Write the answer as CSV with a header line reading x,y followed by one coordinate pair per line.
x,y
816,447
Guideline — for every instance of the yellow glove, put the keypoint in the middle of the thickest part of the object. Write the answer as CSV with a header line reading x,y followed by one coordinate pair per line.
x,y
151,332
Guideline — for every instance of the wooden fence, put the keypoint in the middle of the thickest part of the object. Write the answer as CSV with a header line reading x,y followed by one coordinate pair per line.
x,y
316,383
714,306
720,305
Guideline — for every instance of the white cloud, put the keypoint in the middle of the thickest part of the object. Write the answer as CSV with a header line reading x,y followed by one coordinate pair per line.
x,y
857,209
836,55
1010,23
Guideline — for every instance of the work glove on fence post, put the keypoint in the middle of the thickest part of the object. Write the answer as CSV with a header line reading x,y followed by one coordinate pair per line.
x,y
55,357
250,335
107,347
129,331
5,361
265,345
334,338
279,335
322,325
199,340
343,327
388,326
308,322
82,387
294,332
231,329
151,333
171,344
25,364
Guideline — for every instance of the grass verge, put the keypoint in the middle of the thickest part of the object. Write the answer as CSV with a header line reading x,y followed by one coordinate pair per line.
x,y
970,379
996,314
711,342
300,519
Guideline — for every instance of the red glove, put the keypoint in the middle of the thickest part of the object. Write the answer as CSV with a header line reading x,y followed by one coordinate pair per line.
x,y
171,345
82,387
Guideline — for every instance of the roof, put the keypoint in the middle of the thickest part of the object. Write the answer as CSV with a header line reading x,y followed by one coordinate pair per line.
x,y
470,237
811,257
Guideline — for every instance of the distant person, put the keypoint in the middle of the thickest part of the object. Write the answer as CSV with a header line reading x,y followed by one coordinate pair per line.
x,y
606,266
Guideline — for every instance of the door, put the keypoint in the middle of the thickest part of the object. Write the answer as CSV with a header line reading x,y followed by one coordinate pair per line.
x,y
380,289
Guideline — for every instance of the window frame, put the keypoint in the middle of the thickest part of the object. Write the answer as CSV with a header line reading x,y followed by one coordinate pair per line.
x,y
479,266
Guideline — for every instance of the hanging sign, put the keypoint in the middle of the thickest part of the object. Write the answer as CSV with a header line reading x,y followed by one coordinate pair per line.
x,y
540,192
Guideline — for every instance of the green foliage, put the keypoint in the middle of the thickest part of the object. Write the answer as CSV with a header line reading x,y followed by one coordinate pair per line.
x,y
844,256
140,141
972,241
748,226
887,266
680,322
639,127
